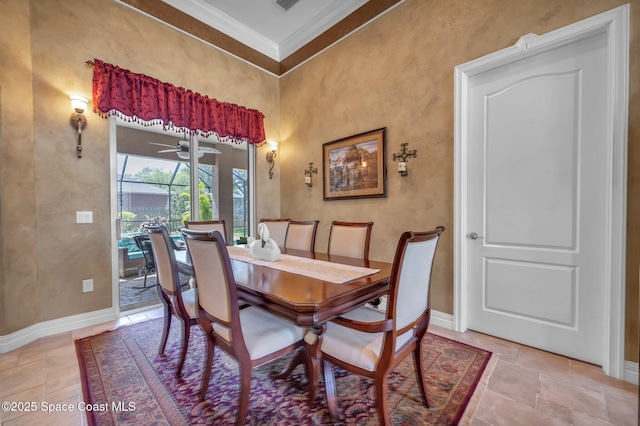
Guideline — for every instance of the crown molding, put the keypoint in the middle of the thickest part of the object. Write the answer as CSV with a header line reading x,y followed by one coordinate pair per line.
x,y
327,19
227,25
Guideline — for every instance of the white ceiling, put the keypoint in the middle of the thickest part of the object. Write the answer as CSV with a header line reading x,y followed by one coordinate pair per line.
x,y
265,26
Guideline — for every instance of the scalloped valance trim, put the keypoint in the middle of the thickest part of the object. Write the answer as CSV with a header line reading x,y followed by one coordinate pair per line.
x,y
148,101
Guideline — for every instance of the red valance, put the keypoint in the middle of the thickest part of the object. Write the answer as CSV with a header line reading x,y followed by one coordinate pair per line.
x,y
146,100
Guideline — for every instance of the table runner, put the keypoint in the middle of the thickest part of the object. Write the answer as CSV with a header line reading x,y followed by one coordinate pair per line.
x,y
337,273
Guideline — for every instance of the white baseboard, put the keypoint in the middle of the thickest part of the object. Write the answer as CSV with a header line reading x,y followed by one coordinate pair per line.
x,y
442,320
630,373
49,328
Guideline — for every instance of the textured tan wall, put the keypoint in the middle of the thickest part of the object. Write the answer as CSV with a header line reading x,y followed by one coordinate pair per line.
x,y
43,47
17,174
397,73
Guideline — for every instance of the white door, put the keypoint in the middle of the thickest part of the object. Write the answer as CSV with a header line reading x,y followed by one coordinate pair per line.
x,y
537,199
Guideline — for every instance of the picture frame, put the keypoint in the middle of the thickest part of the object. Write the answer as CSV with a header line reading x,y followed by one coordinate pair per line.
x,y
355,166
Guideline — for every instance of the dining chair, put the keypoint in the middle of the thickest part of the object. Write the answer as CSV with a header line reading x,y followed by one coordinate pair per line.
x,y
208,225
178,303
144,244
277,229
301,235
370,342
350,239
251,336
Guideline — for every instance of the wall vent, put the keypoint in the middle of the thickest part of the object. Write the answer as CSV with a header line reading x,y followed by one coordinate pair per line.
x,y
286,4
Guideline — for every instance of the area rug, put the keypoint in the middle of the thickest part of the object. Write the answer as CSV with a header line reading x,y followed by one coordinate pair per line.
x,y
125,381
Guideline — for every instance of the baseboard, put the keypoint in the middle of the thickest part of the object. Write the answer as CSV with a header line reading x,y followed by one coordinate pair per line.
x,y
49,328
442,320
630,373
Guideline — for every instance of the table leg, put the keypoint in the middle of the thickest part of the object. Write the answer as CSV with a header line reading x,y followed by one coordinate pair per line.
x,y
314,358
310,357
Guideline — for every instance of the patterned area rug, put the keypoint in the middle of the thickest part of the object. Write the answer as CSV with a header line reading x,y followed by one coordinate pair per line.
x,y
125,381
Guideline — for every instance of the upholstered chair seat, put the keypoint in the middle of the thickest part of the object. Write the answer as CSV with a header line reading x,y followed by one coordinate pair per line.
x,y
251,336
372,342
178,303
189,301
263,333
356,347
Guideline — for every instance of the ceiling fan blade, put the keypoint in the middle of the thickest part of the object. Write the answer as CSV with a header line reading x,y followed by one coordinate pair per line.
x,y
208,150
169,150
161,144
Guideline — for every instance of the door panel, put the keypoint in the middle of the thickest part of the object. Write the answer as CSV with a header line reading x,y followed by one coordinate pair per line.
x,y
537,168
535,146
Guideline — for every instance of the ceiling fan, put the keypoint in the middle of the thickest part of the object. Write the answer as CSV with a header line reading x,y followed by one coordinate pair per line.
x,y
182,149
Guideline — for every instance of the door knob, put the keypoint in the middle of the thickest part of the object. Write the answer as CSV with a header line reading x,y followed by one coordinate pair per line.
x,y
475,236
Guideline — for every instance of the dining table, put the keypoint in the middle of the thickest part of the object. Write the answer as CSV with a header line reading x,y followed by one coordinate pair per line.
x,y
306,288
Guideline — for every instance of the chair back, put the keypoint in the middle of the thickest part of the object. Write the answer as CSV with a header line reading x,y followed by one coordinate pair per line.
x,y
277,229
213,273
144,244
350,239
302,235
208,225
410,283
165,259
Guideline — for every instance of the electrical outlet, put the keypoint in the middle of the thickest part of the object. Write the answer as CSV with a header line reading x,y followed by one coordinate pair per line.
x,y
84,217
87,286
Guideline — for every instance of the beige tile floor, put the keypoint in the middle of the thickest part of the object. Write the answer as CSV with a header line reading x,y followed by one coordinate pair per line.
x,y
521,386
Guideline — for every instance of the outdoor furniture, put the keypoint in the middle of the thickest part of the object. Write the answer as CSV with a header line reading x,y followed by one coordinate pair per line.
x,y
144,244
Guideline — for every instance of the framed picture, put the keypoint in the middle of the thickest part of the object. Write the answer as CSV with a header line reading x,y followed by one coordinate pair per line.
x,y
355,167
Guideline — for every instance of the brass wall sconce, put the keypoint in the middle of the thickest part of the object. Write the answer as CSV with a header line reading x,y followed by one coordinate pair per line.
x,y
78,120
402,157
271,154
307,174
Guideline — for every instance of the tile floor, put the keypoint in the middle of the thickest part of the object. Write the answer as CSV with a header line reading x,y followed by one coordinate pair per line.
x,y
521,386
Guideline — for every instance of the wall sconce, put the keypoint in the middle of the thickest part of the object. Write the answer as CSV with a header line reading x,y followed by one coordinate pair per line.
x,y
271,154
402,157
307,174
78,120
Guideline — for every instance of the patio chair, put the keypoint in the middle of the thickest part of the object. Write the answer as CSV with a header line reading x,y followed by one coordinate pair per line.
x,y
144,244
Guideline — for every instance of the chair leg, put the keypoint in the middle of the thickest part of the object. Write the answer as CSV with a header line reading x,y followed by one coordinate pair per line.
x,y
417,357
331,393
381,400
208,363
144,283
245,387
186,332
165,329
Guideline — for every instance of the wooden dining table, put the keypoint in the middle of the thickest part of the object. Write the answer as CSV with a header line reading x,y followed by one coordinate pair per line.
x,y
304,300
